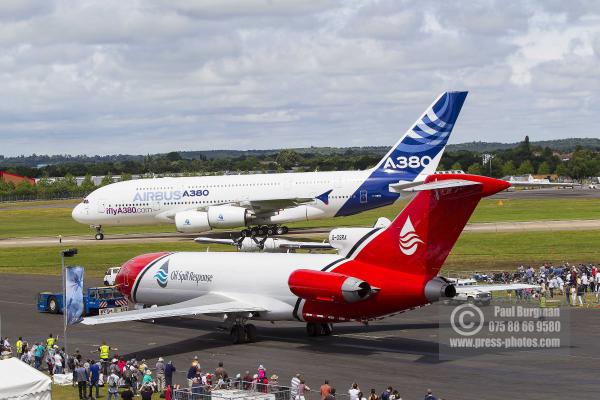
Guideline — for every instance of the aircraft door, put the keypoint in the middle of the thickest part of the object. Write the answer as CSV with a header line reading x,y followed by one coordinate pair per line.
x,y
363,197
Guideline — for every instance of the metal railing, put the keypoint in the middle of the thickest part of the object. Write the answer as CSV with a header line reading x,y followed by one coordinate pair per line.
x,y
234,390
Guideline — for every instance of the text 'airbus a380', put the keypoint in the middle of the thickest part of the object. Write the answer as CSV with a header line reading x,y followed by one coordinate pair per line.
x,y
264,202
380,271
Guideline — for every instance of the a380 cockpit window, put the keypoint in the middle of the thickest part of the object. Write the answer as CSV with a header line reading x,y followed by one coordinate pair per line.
x,y
85,201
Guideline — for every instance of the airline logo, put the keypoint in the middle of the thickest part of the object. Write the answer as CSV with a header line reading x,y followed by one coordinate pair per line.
x,y
162,275
169,195
409,240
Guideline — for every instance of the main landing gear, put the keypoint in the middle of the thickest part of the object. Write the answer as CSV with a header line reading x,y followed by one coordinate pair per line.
x,y
264,230
241,332
99,235
314,329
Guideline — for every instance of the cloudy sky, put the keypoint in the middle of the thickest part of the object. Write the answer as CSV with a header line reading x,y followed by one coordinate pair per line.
x,y
107,77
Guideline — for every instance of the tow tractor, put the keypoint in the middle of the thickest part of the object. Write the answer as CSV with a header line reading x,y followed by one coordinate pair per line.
x,y
97,301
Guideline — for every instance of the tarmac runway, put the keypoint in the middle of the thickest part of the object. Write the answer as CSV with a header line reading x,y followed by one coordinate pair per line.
x,y
401,351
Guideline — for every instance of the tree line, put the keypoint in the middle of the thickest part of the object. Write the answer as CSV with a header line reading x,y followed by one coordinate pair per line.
x,y
520,160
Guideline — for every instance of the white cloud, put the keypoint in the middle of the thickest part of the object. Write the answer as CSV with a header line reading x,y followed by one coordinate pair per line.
x,y
87,76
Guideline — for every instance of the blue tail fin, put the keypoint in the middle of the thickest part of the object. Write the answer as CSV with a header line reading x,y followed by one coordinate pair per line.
x,y
418,152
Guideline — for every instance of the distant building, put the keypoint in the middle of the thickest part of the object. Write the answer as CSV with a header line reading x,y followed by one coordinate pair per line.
x,y
16,179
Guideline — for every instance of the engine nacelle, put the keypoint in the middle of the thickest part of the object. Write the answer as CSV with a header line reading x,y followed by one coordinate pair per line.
x,y
228,216
438,288
192,221
328,287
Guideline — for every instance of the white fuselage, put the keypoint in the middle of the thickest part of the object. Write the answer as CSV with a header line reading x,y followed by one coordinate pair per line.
x,y
193,274
152,201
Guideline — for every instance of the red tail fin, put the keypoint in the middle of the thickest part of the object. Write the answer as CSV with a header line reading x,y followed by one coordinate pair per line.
x,y
422,235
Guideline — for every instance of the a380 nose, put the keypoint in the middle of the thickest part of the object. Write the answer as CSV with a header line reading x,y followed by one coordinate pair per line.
x,y
129,272
77,213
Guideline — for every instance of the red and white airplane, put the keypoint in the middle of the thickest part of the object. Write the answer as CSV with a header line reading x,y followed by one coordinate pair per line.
x,y
380,271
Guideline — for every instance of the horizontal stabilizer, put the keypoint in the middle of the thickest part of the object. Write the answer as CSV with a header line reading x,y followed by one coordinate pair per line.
x,y
443,184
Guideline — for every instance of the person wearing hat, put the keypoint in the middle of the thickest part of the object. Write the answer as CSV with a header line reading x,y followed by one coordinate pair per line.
x,y
160,374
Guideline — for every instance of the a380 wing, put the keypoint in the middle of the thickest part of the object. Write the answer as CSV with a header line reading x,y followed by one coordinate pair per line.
x,y
211,303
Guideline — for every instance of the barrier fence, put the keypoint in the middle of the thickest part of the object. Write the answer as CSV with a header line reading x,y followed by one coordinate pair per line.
x,y
241,390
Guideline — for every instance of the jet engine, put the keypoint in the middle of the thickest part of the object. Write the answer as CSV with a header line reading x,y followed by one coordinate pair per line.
x,y
228,216
438,288
192,221
329,287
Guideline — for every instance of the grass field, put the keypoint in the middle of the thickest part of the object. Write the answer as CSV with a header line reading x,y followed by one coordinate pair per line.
x,y
56,218
473,252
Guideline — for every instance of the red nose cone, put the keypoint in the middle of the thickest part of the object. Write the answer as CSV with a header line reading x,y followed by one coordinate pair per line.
x,y
131,269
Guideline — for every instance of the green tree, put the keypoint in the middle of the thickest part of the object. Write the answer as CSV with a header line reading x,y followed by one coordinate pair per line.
x,y
456,166
87,186
474,169
544,168
107,180
525,168
509,169
125,176
562,170
288,159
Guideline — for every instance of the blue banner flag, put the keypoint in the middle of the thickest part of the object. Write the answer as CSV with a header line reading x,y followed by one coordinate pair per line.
x,y
74,295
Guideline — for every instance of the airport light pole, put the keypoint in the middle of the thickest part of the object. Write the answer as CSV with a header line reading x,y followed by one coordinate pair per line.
x,y
63,254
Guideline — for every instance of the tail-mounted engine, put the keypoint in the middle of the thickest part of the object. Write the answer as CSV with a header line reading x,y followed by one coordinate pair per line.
x,y
439,288
329,287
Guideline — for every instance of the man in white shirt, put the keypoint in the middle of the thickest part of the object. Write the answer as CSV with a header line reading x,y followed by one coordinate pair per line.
x,y
294,386
354,391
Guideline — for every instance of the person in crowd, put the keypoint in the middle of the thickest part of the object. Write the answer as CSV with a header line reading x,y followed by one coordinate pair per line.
x,y
82,377
104,352
361,396
94,378
146,391
597,285
197,386
113,386
220,372
121,365
247,381
331,395
429,395
395,395
302,389
160,374
192,371
50,342
580,292
19,347
58,362
387,393
147,379
127,393
373,395
294,386
354,391
169,370
325,390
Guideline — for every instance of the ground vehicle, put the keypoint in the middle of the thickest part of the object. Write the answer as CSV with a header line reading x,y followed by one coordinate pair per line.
x,y
110,275
97,301
475,296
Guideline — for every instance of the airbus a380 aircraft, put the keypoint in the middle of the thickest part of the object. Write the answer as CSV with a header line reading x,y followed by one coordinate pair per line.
x,y
377,272
266,201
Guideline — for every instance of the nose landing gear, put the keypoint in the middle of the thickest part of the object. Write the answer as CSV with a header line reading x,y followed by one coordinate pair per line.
x,y
99,235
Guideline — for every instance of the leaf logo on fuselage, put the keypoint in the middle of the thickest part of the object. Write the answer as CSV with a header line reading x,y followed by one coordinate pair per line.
x,y
162,275
409,240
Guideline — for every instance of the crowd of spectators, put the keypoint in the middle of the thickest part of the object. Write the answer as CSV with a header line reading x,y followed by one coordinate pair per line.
x,y
128,378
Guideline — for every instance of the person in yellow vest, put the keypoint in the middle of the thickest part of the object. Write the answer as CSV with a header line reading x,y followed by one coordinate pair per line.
x,y
19,347
104,351
50,342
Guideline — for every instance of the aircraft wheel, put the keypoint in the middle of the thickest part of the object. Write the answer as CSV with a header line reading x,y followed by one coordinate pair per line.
x,y
262,230
270,231
285,230
250,333
279,230
254,231
238,334
313,329
326,329
52,305
99,236
245,233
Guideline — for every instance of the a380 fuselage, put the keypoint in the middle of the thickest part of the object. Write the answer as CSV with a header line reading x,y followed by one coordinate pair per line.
x,y
151,201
